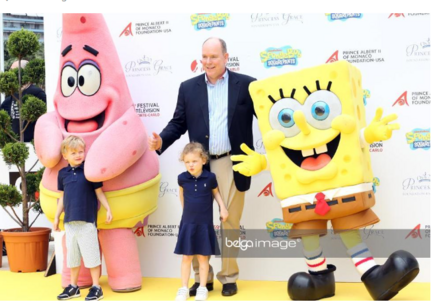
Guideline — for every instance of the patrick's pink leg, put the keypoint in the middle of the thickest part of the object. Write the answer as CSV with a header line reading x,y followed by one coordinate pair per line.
x,y
121,258
84,278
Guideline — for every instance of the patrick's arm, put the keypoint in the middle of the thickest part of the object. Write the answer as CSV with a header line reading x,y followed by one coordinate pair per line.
x,y
48,139
117,148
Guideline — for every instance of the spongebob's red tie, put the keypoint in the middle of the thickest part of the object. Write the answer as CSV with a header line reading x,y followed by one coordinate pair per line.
x,y
322,207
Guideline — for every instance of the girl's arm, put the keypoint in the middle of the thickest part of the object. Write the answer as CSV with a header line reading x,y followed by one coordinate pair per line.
x,y
58,213
223,210
101,197
181,195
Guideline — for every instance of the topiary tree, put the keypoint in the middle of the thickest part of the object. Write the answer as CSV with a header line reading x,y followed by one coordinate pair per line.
x,y
21,44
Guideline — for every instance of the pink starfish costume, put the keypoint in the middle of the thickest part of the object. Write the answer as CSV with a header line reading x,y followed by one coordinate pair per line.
x,y
92,100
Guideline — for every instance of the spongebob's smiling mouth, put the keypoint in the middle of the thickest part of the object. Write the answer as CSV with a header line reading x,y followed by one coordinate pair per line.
x,y
314,159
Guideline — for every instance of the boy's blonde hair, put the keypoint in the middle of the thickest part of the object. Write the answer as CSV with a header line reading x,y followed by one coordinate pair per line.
x,y
72,143
195,147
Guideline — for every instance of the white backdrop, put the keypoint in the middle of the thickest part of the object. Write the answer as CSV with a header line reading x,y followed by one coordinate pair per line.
x,y
159,51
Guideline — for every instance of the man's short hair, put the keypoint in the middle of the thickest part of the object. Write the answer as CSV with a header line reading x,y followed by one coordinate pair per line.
x,y
223,43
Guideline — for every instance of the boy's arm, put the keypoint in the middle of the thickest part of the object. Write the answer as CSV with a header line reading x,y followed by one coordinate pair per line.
x,y
58,213
101,197
181,195
223,210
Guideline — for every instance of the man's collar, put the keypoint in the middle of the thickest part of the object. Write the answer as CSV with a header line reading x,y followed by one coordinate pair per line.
x,y
223,77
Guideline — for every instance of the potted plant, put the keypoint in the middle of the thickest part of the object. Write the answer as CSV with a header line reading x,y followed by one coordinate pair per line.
x,y
27,246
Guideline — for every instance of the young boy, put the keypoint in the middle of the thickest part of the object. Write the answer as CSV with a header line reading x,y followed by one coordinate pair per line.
x,y
79,199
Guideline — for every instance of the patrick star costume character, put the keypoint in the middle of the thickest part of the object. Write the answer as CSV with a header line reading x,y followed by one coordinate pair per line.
x,y
92,100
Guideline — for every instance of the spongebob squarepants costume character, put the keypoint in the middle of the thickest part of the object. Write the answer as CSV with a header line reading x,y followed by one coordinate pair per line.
x,y
317,144
92,100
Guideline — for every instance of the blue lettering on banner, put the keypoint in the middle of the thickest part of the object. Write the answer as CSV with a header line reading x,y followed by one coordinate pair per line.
x,y
342,16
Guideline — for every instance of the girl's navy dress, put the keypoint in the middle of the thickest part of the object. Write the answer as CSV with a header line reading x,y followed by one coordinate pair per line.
x,y
196,233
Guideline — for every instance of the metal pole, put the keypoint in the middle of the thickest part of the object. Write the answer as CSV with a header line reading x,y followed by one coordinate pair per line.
x,y
2,54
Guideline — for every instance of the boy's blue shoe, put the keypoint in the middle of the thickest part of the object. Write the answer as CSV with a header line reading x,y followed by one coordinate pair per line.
x,y
95,294
69,293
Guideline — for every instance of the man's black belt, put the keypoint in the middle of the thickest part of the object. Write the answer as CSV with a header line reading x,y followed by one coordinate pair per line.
x,y
219,155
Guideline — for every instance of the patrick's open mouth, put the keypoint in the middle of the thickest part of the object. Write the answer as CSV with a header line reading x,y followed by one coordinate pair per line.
x,y
85,126
314,159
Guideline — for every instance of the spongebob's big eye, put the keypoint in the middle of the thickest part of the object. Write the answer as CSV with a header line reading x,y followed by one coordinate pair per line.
x,y
321,107
281,116
320,110
89,78
285,117
68,81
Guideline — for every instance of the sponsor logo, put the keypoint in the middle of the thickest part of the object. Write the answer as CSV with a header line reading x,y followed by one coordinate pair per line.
x,y
366,95
259,147
277,228
147,66
418,139
396,15
362,56
415,186
415,233
421,98
165,189
196,66
419,51
145,28
267,190
376,182
333,58
274,20
343,17
402,100
127,30
279,57
59,34
163,230
209,21
139,232
148,109
376,147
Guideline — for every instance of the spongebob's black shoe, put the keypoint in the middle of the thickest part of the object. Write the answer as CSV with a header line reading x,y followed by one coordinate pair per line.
x,y
384,282
312,285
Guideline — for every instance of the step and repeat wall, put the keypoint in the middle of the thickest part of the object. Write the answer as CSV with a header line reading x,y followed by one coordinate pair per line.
x,y
159,51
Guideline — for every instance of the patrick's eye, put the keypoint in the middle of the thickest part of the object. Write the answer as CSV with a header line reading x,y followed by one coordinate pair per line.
x,y
68,80
89,79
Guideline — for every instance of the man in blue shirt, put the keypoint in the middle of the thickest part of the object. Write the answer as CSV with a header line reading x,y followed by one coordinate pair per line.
x,y
216,109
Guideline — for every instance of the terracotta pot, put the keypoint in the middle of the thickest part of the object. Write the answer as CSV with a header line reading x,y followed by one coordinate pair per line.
x,y
27,251
1,250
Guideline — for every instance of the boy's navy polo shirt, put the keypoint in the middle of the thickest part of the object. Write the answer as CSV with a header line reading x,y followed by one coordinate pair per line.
x,y
79,197
197,197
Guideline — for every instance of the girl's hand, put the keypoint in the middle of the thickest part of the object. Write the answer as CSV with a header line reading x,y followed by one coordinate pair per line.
x,y
224,215
56,225
109,217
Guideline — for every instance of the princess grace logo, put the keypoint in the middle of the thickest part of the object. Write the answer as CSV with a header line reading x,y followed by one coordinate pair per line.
x,y
279,57
165,189
145,28
274,20
419,139
418,52
343,17
147,66
209,21
416,185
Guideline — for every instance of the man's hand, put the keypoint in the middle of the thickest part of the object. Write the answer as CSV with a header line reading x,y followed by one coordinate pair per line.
x,y
379,129
224,214
251,164
154,142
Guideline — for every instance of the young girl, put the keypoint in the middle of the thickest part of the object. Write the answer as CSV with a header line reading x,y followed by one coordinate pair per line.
x,y
197,236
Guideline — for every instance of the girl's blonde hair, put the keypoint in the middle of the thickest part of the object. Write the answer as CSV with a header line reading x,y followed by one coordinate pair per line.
x,y
72,143
195,147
